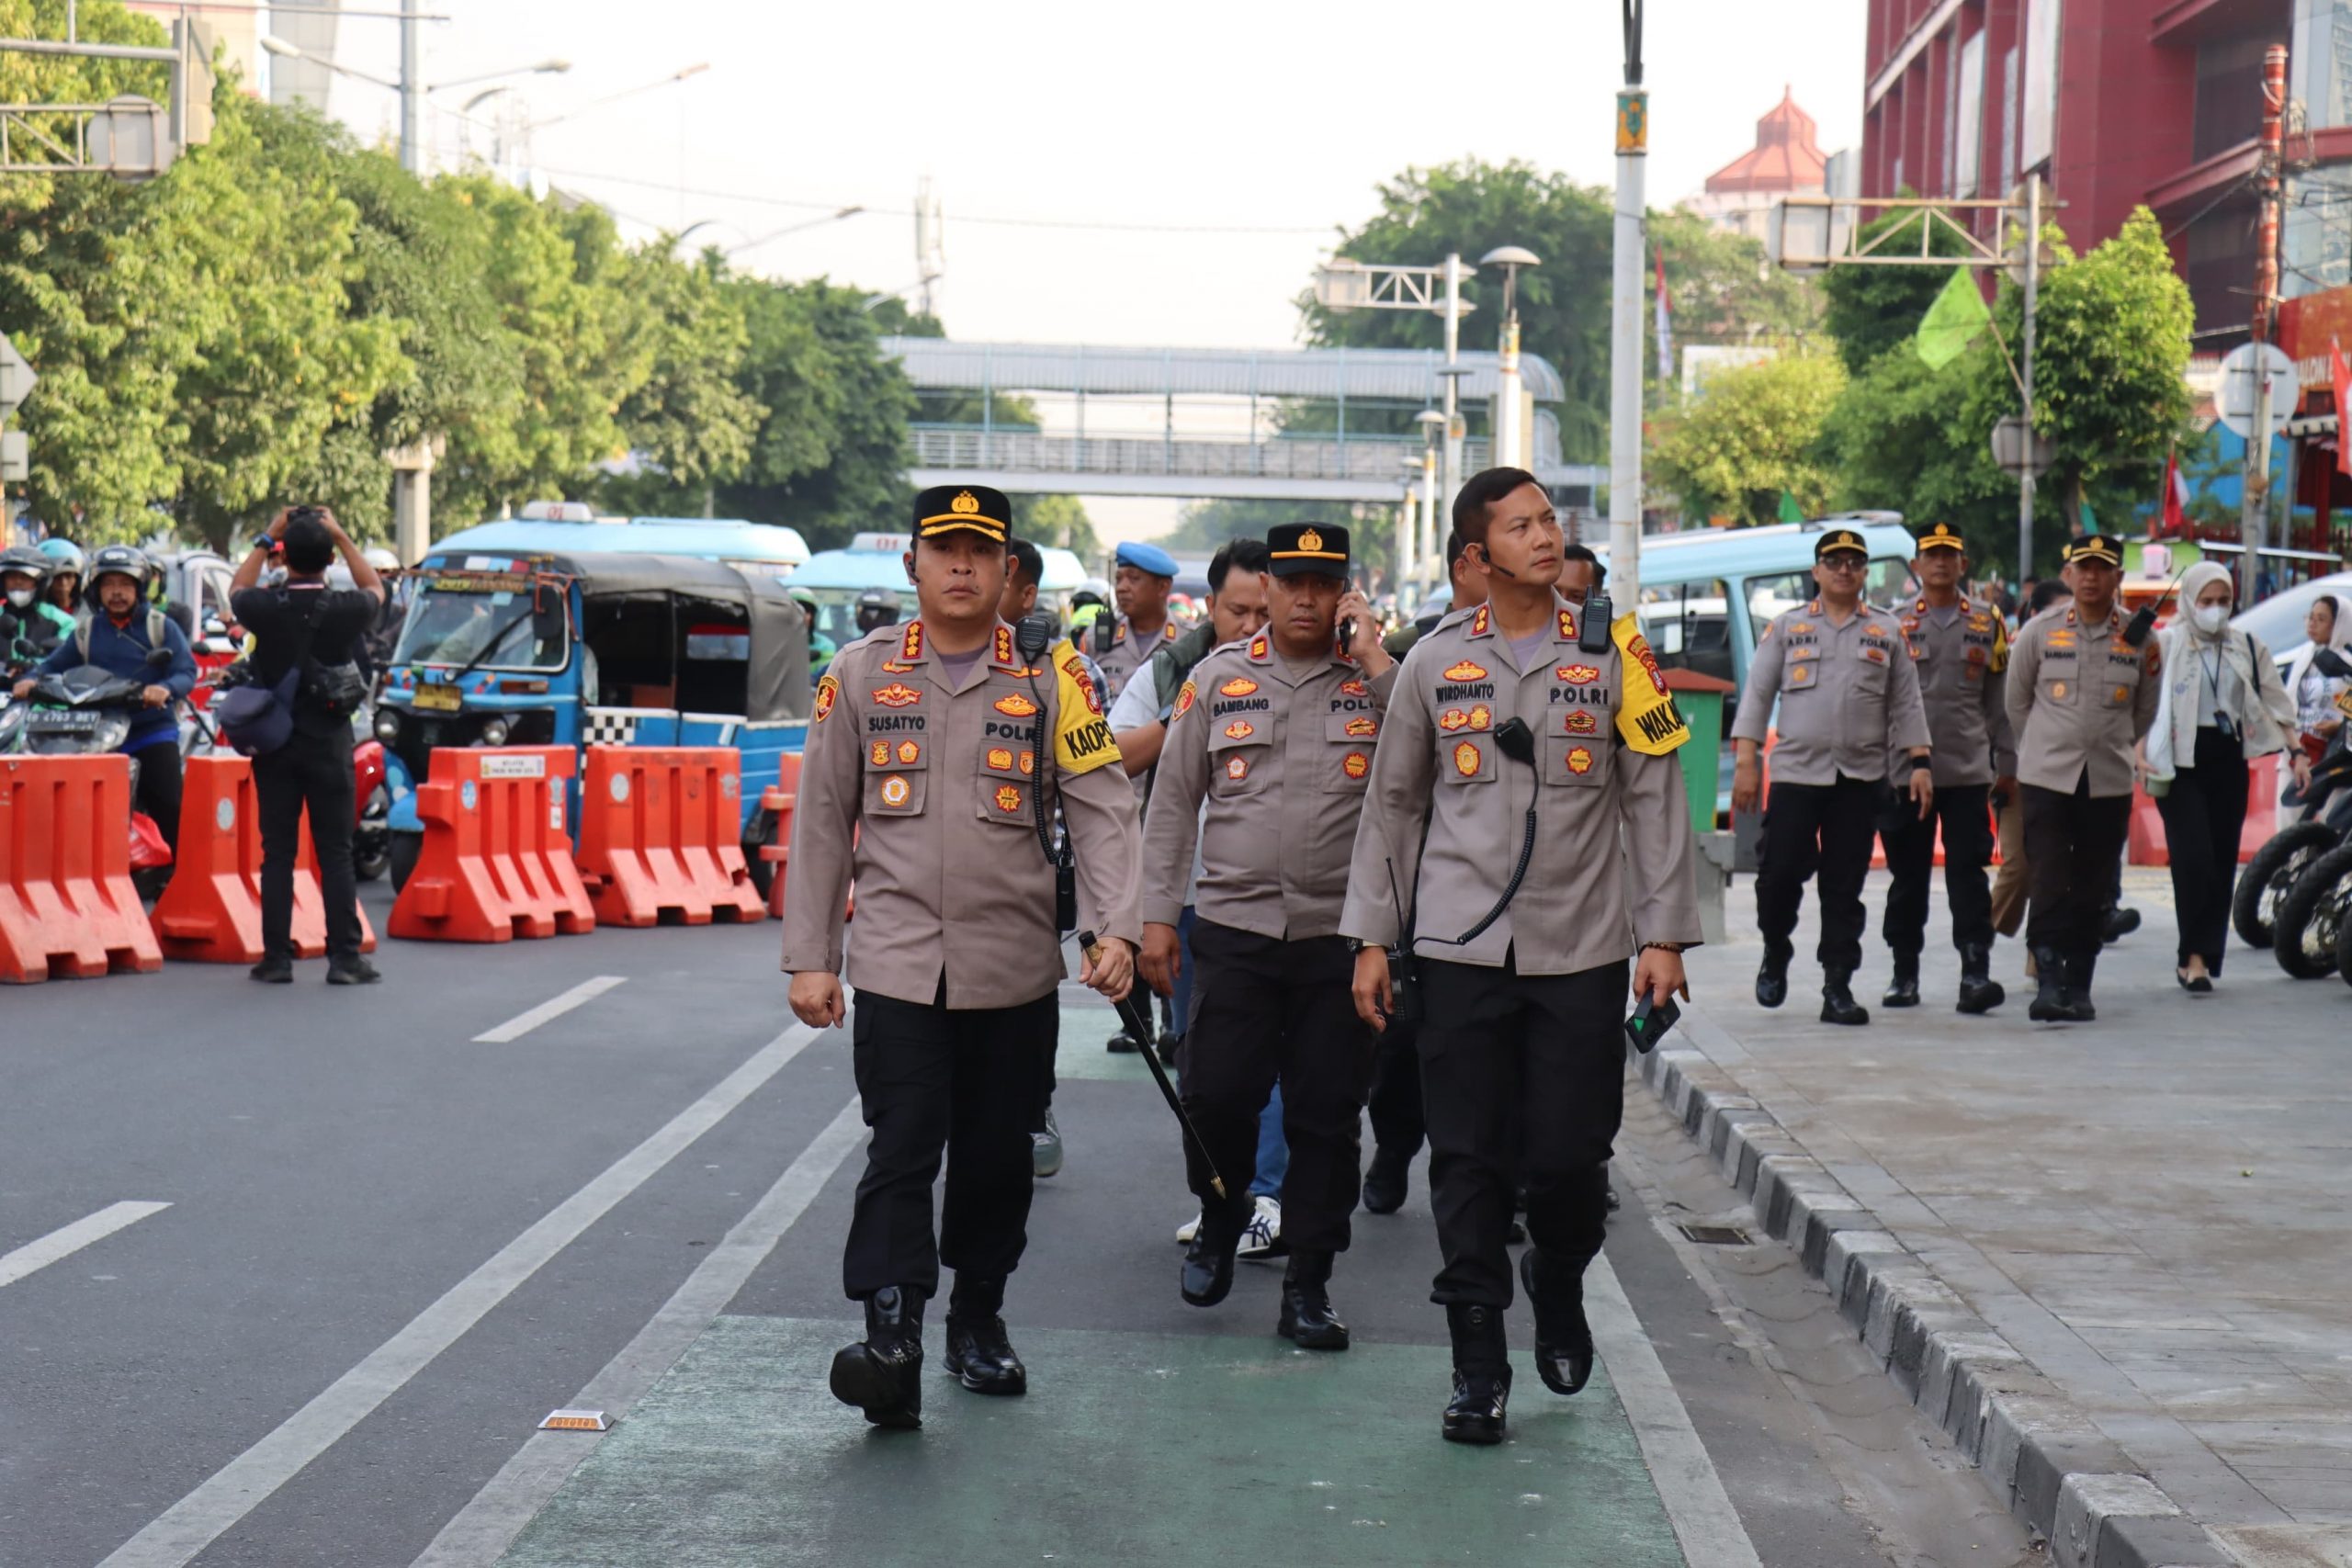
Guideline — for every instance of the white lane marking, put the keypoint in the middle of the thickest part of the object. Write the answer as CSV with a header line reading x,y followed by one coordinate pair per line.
x,y
521,1023
73,1238
194,1522
487,1526
1704,1521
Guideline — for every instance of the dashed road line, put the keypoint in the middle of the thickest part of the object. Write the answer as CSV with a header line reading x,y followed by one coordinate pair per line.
x,y
65,1242
547,1011
192,1524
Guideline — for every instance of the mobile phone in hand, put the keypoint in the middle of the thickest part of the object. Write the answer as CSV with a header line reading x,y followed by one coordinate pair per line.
x,y
1650,1021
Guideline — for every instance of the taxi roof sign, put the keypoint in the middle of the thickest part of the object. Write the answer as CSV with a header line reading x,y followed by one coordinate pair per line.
x,y
559,511
576,1421
896,544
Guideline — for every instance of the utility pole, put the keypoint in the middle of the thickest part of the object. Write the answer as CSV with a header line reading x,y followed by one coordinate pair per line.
x,y
2254,516
1454,431
412,90
1625,325
2025,373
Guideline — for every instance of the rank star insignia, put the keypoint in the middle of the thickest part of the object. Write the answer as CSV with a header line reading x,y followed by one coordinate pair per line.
x,y
1004,644
1239,686
896,791
1577,674
1008,798
1582,722
1239,730
880,755
1567,626
910,642
1580,761
1453,719
1258,647
1466,671
1236,768
1000,759
1479,622
1466,760
828,692
1482,717
896,694
1362,726
910,752
1016,706
1356,764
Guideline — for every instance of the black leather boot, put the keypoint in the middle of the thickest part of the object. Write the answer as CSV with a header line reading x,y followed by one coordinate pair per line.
x,y
1307,1320
882,1374
1207,1275
1979,992
1772,978
2080,966
1837,1003
2121,922
1385,1184
2052,1002
978,1355
1481,1375
1563,1339
1902,991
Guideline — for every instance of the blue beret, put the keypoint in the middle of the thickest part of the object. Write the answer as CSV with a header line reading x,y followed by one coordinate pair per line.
x,y
1148,558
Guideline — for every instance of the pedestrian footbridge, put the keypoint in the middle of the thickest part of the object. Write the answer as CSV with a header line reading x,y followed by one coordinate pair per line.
x,y
1198,423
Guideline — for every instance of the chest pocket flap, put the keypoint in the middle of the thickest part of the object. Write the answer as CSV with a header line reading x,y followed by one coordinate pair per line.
x,y
1240,753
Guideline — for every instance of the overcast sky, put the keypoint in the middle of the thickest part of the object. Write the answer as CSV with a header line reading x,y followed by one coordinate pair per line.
x,y
1276,118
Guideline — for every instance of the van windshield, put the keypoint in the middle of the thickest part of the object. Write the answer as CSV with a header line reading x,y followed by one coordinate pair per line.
x,y
498,621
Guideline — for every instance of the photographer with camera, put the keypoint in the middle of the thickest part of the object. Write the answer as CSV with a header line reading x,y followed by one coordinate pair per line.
x,y
306,626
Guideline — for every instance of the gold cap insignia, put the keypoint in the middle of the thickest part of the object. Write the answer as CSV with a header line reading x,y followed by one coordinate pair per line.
x,y
965,503
1310,540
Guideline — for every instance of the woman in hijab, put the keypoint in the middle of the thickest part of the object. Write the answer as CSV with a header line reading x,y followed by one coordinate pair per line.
x,y
2223,707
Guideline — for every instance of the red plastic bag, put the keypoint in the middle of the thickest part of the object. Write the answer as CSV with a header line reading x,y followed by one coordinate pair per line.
x,y
148,850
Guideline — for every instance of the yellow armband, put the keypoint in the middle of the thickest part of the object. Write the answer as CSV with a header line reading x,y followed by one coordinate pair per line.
x,y
1081,735
1647,720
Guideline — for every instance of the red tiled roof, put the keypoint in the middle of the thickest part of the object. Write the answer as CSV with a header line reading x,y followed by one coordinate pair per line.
x,y
1785,156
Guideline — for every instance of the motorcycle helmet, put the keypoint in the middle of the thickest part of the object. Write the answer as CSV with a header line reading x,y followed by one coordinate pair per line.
x,y
126,560
64,555
878,608
381,559
25,558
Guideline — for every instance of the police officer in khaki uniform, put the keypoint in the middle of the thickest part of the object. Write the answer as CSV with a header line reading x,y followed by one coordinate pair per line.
x,y
1847,692
1961,650
2080,697
1143,575
1539,750
936,758
1277,734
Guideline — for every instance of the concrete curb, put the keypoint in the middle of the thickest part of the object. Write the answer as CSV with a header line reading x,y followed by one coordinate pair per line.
x,y
2060,1475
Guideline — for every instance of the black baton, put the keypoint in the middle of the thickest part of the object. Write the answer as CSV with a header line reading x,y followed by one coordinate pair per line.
x,y
1140,1028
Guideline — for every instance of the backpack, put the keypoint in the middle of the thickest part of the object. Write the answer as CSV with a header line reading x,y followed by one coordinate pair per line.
x,y
156,636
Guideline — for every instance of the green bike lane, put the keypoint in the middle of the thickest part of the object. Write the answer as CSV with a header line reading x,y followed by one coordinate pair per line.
x,y
1151,1428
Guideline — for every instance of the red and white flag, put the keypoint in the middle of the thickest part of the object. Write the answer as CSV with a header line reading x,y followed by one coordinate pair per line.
x,y
2174,520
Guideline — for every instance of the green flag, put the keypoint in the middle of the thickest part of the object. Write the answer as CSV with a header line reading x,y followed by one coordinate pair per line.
x,y
1953,322
1790,511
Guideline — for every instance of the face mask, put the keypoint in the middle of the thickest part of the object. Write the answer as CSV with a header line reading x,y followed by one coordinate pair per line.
x,y
2210,618
22,598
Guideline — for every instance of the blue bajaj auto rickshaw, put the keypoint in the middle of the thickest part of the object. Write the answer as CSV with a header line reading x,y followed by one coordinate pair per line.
x,y
593,649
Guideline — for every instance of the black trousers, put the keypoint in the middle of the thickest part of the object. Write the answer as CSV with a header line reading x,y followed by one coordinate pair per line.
x,y
158,793
2074,850
1825,828
1265,1010
932,1082
1395,1104
1964,812
313,773
1524,1078
2204,813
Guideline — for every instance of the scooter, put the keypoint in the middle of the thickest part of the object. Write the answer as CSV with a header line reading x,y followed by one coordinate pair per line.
x,y
2317,903
87,711
2278,866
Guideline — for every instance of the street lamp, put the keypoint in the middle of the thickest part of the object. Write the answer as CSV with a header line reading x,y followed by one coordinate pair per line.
x,y
695,70
271,43
412,94
1434,429
796,228
1507,426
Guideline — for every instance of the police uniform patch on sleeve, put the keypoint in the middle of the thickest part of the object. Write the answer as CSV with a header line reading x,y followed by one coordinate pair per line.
x,y
1184,694
2000,646
1646,718
828,692
1082,739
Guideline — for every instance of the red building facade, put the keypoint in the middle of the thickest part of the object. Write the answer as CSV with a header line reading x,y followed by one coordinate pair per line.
x,y
2116,103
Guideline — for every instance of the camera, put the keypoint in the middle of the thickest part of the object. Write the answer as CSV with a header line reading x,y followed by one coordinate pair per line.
x,y
306,514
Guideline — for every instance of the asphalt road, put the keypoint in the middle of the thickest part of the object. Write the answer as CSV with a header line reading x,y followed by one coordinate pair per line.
x,y
390,1248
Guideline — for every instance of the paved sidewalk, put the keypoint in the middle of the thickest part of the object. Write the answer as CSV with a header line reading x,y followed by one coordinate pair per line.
x,y
2155,1210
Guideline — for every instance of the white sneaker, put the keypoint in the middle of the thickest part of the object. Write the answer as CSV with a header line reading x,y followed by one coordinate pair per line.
x,y
1187,1231
1262,1236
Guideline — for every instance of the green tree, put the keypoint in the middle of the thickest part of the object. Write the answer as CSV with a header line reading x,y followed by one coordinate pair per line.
x,y
1060,521
690,423
1754,432
1722,292
1870,310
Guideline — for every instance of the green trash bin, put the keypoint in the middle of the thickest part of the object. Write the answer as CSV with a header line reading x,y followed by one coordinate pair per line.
x,y
1700,699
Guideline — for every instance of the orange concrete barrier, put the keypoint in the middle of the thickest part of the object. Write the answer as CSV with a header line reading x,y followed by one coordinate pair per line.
x,y
662,836
1878,845
67,907
496,862
2145,846
211,912
781,800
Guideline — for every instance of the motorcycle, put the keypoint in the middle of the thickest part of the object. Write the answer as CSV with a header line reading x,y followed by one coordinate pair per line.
x,y
2278,867
87,711
2317,903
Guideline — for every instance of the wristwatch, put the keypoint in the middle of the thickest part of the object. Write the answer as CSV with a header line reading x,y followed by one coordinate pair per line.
x,y
264,543
1677,948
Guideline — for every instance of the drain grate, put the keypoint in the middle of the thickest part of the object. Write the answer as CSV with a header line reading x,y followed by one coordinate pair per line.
x,y
1715,1236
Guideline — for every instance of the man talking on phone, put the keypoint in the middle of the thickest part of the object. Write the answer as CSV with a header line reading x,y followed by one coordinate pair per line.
x,y
1539,751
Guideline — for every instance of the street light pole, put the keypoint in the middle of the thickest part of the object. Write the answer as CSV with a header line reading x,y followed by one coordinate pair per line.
x,y
411,92
1625,325
2032,297
1426,557
1452,377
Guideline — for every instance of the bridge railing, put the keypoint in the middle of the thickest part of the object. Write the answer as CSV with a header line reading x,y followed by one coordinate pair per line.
x,y
1366,457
